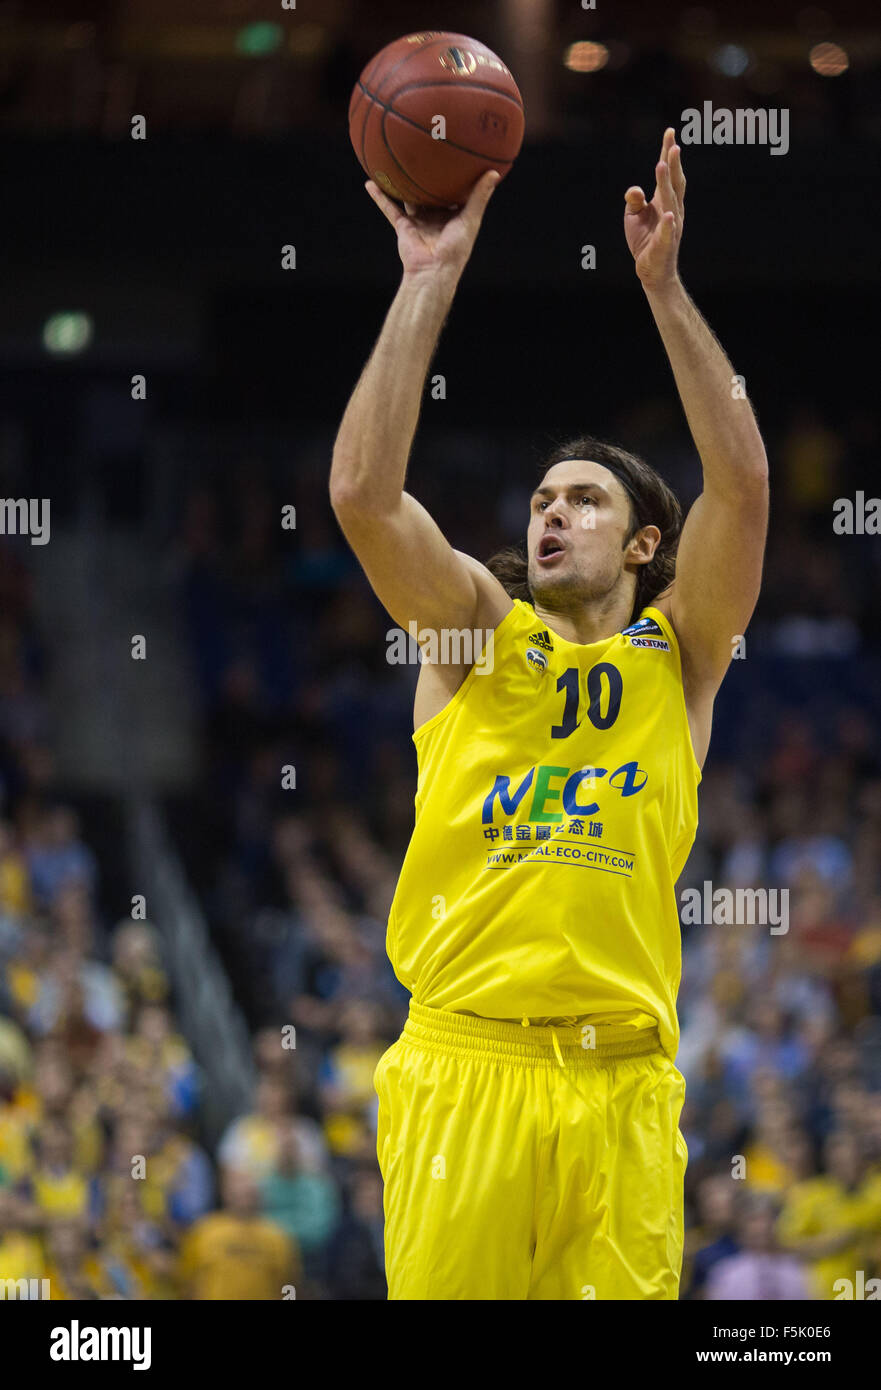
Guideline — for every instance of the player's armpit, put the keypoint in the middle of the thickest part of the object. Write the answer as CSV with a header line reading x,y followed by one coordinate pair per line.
x,y
416,574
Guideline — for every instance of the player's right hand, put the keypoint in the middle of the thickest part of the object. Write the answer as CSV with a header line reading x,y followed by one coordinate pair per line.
x,y
436,241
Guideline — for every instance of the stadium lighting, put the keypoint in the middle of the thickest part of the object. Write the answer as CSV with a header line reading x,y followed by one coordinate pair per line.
x,y
67,333
731,59
256,40
586,57
828,59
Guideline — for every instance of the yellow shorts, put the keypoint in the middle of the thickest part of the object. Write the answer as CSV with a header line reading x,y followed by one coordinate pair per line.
x,y
530,1163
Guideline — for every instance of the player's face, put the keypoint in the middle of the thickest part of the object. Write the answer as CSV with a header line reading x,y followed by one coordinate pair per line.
x,y
579,517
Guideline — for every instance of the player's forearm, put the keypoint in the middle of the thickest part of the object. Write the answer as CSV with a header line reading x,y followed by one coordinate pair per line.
x,y
376,434
719,416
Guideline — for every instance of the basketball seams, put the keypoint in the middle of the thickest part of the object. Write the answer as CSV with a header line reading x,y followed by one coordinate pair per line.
x,y
453,85
367,74
442,41
361,88
352,115
490,160
414,52
371,107
407,120
394,158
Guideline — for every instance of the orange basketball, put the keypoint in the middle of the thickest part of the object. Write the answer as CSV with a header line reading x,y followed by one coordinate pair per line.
x,y
431,113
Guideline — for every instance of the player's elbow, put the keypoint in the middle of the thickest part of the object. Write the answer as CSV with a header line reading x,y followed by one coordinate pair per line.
x,y
346,495
355,501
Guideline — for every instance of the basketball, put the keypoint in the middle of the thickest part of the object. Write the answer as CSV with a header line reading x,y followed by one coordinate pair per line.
x,y
431,113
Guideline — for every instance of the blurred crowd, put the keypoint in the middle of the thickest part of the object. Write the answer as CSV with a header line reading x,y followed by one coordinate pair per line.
x,y
108,1184
108,1187
105,1188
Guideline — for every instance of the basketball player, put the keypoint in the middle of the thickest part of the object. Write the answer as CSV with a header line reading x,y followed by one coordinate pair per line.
x,y
529,1113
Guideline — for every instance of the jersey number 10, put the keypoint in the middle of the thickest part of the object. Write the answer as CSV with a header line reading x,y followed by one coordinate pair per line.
x,y
569,683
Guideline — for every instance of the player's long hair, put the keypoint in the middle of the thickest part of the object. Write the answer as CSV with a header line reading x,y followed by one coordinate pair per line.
x,y
652,503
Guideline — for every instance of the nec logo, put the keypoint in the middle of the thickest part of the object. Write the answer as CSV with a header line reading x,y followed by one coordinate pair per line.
x,y
628,779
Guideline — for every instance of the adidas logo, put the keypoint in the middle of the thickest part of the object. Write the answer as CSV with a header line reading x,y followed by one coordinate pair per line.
x,y
542,639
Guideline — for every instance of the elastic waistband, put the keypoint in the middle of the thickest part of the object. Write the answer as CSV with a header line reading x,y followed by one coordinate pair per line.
x,y
580,1045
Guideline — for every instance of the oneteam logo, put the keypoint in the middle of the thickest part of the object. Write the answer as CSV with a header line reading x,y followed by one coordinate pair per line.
x,y
75,1343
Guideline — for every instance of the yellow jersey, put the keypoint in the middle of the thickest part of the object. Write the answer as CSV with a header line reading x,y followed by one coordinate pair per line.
x,y
556,806
822,1206
229,1257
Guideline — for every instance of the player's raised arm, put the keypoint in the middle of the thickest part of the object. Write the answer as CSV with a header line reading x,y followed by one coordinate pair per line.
x,y
719,562
413,569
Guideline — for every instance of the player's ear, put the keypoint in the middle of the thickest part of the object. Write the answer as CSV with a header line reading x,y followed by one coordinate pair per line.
x,y
643,544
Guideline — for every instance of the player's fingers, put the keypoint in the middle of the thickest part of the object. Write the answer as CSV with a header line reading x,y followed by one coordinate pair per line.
x,y
666,228
634,199
390,209
676,173
479,196
666,142
666,196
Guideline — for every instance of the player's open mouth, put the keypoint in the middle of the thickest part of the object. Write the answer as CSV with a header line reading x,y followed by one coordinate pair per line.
x,y
549,548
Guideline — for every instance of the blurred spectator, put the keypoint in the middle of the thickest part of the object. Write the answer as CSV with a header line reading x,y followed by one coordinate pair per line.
x,y
137,963
357,1253
15,884
160,1051
57,1186
21,1252
759,1271
252,1144
56,855
811,457
74,1271
136,1252
304,1204
77,995
236,1253
712,1239
830,1220
346,1079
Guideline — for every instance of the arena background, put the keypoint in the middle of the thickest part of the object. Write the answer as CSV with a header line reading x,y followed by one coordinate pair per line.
x,y
167,908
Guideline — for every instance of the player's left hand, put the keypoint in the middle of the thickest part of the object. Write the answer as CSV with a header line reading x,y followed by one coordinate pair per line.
x,y
654,230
